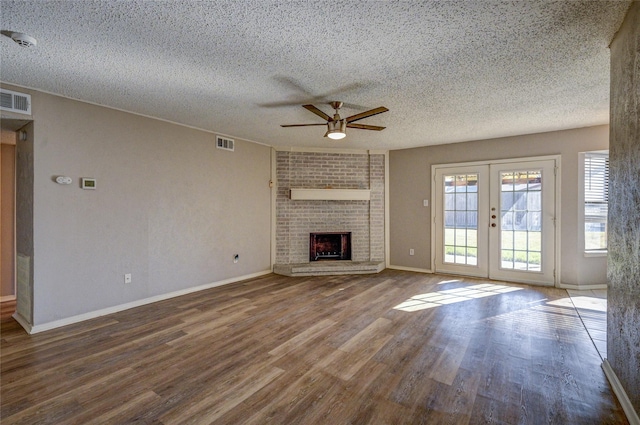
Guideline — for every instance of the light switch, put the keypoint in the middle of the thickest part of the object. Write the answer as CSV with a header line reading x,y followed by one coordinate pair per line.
x,y
425,203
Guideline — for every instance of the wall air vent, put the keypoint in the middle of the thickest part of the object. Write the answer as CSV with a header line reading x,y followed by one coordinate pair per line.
x,y
224,143
12,101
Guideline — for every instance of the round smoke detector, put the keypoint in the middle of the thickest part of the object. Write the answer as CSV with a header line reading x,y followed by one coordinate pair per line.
x,y
23,40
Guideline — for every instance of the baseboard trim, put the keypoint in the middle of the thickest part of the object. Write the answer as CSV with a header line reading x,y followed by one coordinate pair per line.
x,y
623,398
109,310
410,269
22,322
582,287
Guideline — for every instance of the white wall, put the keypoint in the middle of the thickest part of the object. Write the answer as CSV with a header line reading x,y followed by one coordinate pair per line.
x,y
169,208
410,183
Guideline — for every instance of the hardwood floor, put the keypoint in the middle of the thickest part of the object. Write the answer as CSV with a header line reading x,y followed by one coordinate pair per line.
x,y
391,348
592,309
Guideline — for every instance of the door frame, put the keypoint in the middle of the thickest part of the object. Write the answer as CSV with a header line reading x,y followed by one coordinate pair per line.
x,y
557,198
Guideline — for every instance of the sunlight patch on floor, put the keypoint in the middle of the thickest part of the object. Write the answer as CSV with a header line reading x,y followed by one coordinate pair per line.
x,y
450,296
583,302
557,322
448,281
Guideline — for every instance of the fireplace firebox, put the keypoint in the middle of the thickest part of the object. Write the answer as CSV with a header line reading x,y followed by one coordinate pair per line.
x,y
330,246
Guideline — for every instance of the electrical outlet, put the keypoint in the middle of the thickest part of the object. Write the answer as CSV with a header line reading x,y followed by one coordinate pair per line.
x,y
411,251
127,278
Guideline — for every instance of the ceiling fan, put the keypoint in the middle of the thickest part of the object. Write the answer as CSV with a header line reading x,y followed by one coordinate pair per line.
x,y
336,126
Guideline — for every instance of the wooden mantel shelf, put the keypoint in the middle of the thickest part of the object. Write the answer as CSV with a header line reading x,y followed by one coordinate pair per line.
x,y
331,194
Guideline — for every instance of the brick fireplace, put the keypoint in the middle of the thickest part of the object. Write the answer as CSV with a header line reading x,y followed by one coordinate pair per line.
x,y
297,219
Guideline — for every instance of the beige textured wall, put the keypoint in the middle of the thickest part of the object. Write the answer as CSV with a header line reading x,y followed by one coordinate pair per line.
x,y
410,183
623,313
169,208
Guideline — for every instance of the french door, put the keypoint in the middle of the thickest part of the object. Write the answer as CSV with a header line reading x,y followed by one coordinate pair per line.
x,y
496,220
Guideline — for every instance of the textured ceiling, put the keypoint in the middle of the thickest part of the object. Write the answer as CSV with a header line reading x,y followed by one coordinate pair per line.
x,y
449,71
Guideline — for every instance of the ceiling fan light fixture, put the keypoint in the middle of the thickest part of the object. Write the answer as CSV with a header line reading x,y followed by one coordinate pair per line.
x,y
337,129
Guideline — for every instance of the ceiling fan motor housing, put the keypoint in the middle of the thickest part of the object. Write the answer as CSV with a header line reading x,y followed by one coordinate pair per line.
x,y
338,125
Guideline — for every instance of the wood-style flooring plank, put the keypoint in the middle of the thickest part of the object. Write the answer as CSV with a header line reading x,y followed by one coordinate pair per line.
x,y
390,348
302,338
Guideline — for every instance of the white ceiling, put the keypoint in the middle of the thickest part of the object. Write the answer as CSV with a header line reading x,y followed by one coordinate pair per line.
x,y
449,71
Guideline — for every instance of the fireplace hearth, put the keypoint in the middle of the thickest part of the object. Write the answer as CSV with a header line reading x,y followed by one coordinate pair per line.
x,y
330,246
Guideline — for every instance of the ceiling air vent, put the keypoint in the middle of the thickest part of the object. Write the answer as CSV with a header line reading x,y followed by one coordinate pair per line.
x,y
15,102
224,143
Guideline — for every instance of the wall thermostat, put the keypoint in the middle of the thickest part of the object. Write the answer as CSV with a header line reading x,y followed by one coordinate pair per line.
x,y
88,183
63,180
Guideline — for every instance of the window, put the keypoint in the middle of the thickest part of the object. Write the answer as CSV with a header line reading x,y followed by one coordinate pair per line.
x,y
596,200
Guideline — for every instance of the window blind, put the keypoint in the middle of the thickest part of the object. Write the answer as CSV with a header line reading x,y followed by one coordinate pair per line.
x,y
596,200
596,177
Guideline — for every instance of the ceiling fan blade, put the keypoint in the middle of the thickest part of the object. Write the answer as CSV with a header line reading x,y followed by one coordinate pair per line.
x,y
366,114
342,90
318,112
301,125
297,101
366,127
293,102
303,95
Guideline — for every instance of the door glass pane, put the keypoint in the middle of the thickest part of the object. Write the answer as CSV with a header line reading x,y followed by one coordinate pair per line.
x,y
461,219
521,224
472,219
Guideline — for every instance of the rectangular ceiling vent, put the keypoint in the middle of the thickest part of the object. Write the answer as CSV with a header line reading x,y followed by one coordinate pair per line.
x,y
15,102
224,143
